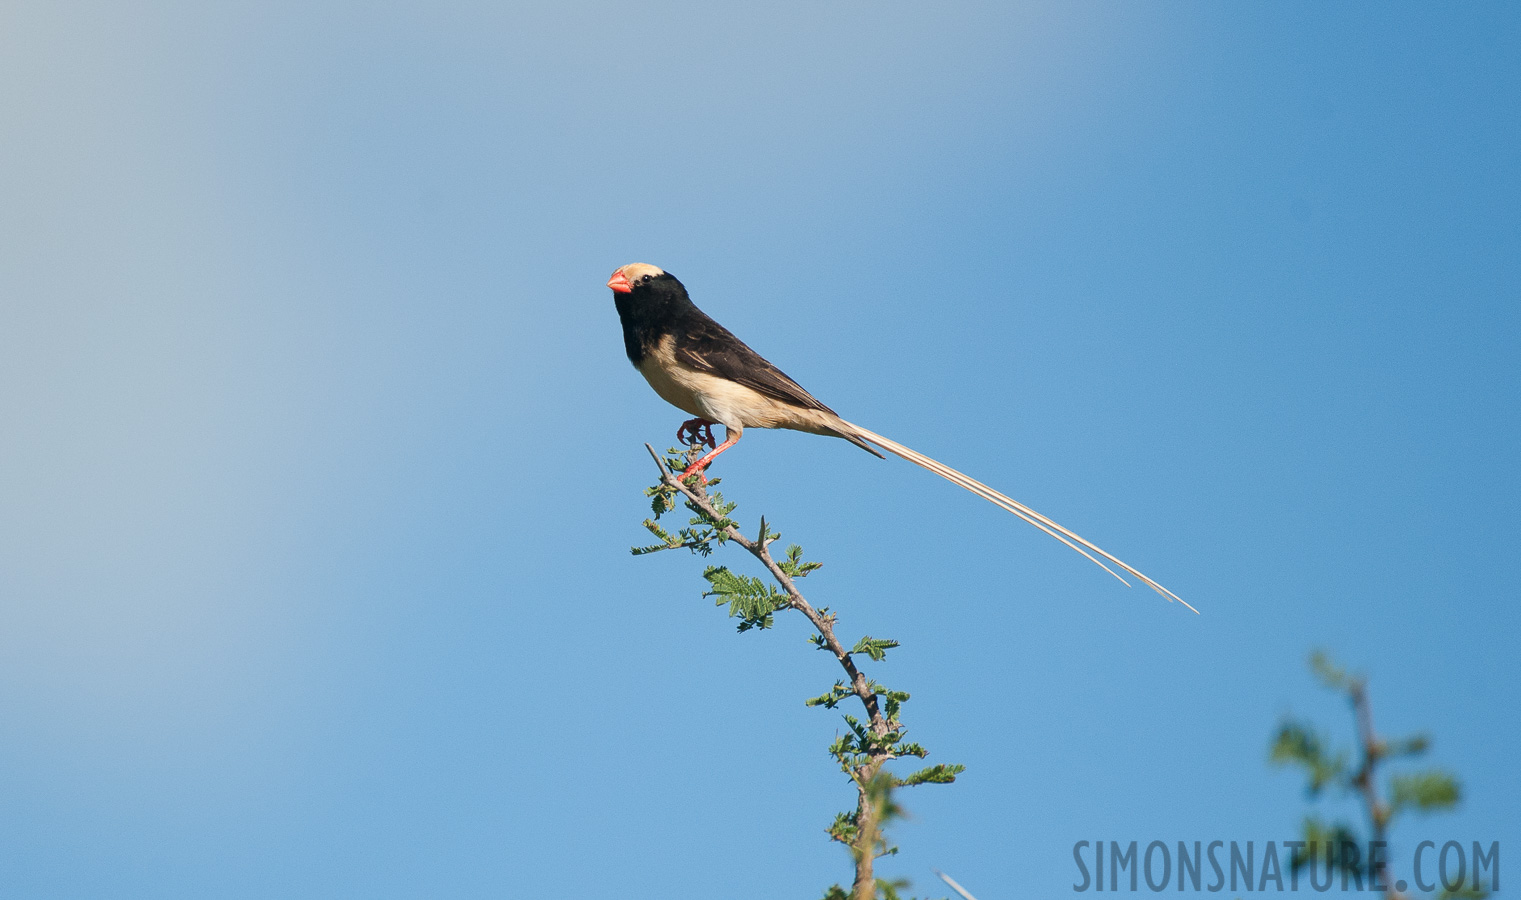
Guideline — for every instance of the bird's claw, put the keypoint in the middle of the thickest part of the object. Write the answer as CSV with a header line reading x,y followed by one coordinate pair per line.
x,y
696,431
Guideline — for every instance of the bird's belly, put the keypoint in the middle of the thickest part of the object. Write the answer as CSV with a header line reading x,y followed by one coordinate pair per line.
x,y
672,385
713,398
723,401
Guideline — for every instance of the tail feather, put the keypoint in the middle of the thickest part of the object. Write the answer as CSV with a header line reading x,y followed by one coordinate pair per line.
x,y
857,434
854,439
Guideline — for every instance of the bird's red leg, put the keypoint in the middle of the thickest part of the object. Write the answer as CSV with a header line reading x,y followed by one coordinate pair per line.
x,y
731,437
701,431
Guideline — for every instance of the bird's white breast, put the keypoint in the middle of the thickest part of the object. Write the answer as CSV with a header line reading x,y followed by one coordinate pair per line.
x,y
719,399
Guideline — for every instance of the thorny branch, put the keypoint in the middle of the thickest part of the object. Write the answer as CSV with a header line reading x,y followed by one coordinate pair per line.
x,y
823,622
873,746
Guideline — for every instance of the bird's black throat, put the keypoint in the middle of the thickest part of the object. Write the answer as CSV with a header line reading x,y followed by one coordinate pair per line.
x,y
651,311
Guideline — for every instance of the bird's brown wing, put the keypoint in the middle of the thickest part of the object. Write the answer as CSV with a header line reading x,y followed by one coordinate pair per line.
x,y
706,346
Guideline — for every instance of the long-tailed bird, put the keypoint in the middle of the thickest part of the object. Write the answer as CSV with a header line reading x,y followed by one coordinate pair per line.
x,y
698,366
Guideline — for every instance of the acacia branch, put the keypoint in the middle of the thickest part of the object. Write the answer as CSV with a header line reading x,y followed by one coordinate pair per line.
x,y
697,495
865,761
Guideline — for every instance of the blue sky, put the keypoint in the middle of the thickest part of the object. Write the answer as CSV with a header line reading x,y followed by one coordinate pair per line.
x,y
322,458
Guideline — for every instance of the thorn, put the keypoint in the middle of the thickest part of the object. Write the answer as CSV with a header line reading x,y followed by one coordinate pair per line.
x,y
658,462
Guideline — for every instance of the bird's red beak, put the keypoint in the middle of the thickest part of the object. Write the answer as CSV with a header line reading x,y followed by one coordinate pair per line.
x,y
619,283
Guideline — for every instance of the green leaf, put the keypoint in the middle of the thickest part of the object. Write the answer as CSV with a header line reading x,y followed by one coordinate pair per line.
x,y
844,828
662,498
1424,791
793,563
910,748
1467,892
876,648
668,541
1330,674
1412,746
832,698
750,600
1298,744
1322,843
939,773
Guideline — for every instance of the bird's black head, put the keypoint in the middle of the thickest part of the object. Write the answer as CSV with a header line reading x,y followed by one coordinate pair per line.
x,y
651,303
646,282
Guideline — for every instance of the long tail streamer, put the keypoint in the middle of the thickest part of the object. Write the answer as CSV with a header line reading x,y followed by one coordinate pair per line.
x,y
1076,542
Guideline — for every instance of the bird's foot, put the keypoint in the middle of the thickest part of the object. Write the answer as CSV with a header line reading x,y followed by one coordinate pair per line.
x,y
696,431
698,468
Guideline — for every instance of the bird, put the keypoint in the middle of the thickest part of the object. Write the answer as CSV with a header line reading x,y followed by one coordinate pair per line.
x,y
701,368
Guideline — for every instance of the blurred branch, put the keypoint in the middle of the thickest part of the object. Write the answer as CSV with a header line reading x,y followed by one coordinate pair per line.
x,y
1297,743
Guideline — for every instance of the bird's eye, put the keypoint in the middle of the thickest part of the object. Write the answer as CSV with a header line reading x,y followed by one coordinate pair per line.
x,y
645,278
